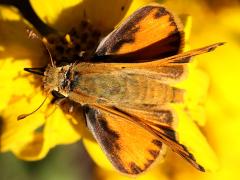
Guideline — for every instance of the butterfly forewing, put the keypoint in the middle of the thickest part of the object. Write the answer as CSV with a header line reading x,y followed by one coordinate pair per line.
x,y
167,69
151,32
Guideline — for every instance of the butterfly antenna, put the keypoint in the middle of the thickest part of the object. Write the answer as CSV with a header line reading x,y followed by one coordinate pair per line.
x,y
45,42
33,35
23,116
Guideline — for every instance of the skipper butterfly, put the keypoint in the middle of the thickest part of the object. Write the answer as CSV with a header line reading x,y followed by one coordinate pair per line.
x,y
125,92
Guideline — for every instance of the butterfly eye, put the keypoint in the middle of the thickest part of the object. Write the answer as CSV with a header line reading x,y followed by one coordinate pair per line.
x,y
68,74
65,77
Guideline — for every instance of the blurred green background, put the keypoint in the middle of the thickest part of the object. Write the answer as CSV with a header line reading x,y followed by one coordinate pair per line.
x,y
62,163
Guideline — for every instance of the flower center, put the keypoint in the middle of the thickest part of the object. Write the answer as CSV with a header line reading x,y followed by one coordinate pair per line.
x,y
79,44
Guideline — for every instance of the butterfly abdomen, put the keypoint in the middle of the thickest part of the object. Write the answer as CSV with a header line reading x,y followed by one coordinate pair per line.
x,y
124,88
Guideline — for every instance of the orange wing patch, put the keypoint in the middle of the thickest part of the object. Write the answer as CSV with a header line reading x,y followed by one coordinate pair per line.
x,y
130,147
150,32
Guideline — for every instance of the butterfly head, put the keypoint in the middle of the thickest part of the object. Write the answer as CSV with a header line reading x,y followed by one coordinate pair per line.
x,y
57,79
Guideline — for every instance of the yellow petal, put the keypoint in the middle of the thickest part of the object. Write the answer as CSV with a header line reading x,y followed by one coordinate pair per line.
x,y
9,14
57,130
16,134
97,154
196,143
76,118
154,173
187,23
15,42
195,96
56,12
104,14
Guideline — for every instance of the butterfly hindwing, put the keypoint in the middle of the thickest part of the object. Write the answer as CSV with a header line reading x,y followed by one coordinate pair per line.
x,y
150,32
161,121
130,147
133,143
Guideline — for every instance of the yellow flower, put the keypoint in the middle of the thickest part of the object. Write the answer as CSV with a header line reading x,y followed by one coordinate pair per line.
x,y
33,137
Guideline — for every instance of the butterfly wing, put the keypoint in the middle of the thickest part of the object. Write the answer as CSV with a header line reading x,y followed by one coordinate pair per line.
x,y
133,139
174,67
150,32
169,68
129,146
